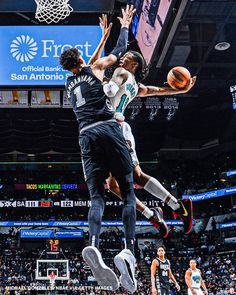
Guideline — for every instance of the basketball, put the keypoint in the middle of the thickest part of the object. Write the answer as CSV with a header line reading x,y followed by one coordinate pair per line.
x,y
178,77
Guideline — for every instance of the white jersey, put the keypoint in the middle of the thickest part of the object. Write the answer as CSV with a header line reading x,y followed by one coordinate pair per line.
x,y
124,96
195,278
195,282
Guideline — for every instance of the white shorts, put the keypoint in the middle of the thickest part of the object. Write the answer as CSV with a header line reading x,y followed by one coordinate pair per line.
x,y
127,133
198,292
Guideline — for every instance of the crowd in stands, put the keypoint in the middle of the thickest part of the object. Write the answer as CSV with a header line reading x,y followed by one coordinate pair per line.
x,y
18,264
215,258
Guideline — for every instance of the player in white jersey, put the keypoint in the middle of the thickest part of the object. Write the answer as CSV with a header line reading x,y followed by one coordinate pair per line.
x,y
123,87
194,281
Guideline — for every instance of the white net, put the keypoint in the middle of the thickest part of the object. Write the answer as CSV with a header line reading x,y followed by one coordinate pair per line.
x,y
52,10
52,278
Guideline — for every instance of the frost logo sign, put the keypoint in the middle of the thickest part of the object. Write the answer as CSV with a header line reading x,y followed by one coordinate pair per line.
x,y
32,53
24,48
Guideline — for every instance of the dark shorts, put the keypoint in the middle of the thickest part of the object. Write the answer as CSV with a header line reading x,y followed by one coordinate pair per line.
x,y
163,290
104,151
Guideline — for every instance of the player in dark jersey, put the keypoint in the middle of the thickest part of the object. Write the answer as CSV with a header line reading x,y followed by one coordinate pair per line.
x,y
103,150
161,274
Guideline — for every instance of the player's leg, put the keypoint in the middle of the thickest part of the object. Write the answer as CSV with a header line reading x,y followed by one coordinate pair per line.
x,y
181,208
159,289
113,186
96,210
149,183
154,215
95,172
167,291
154,187
125,260
121,167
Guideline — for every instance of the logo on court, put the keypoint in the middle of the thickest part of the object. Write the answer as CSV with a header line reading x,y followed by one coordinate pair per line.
x,y
24,48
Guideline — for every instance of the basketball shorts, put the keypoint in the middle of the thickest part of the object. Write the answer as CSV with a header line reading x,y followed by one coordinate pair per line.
x,y
198,292
161,290
104,150
127,133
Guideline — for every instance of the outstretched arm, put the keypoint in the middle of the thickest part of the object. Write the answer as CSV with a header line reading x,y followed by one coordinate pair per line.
x,y
121,46
153,90
105,34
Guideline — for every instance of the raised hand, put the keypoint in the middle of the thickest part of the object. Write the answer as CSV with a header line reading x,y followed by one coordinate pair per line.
x,y
127,15
103,25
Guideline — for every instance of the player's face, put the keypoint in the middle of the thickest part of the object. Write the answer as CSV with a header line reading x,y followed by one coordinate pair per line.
x,y
192,264
161,252
127,61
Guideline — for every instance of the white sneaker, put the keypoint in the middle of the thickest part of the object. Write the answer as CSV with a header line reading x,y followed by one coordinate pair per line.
x,y
125,262
103,274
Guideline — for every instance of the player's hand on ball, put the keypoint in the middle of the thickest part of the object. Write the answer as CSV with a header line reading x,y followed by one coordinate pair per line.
x,y
190,84
154,291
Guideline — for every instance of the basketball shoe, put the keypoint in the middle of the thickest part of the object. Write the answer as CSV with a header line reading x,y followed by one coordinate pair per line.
x,y
125,262
185,213
158,222
102,273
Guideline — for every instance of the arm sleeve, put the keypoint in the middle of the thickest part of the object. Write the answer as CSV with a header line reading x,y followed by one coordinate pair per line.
x,y
122,43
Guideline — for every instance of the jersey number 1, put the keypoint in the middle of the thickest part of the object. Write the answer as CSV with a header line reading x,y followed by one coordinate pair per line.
x,y
79,98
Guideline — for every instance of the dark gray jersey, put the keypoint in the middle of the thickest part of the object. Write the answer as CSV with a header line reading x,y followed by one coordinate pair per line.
x,y
162,274
89,102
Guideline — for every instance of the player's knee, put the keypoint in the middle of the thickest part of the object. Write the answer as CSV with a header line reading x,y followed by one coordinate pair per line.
x,y
96,212
96,190
140,178
97,202
127,191
112,184
126,182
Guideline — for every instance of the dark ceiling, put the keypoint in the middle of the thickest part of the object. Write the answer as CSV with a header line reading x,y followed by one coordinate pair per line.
x,y
204,117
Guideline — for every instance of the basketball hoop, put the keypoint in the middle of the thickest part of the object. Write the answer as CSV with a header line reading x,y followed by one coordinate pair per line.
x,y
52,278
52,10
